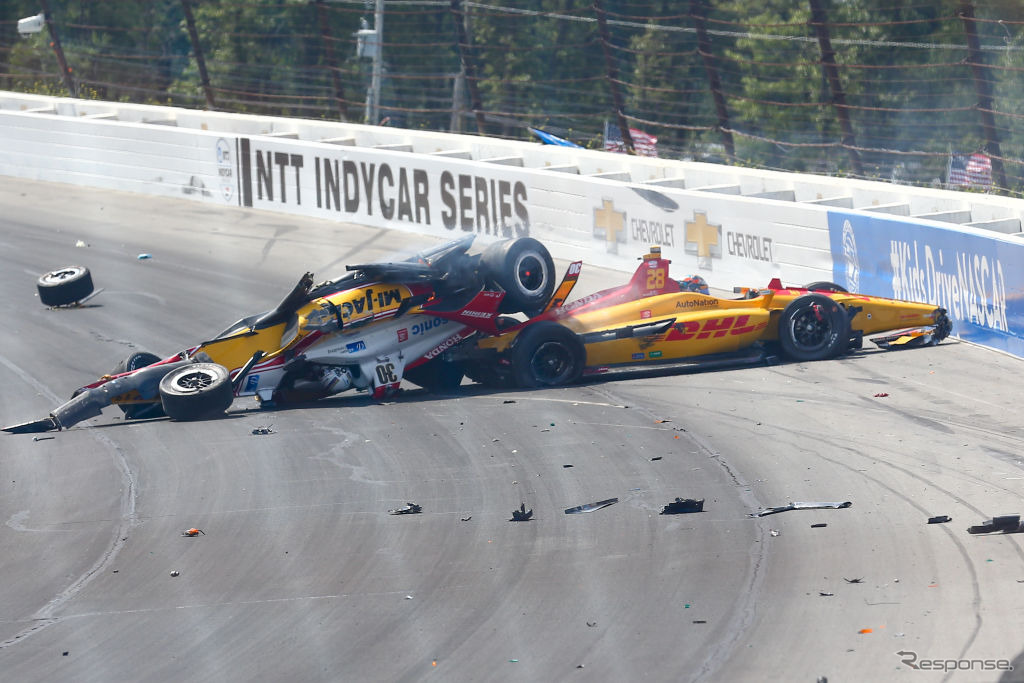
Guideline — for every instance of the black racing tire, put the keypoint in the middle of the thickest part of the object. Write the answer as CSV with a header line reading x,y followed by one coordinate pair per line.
x,y
825,286
64,286
813,327
437,376
196,391
139,359
524,269
547,354
943,326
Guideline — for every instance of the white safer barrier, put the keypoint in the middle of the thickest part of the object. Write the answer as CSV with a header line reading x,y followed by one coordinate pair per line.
x,y
962,251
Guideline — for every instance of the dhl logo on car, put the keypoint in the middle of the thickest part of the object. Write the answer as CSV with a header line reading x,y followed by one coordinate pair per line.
x,y
714,327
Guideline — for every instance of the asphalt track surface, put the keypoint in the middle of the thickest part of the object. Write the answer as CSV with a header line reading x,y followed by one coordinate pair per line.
x,y
302,575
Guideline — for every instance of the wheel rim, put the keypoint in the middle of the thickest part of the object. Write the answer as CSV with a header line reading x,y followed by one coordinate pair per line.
x,y
811,328
62,274
194,381
530,273
551,363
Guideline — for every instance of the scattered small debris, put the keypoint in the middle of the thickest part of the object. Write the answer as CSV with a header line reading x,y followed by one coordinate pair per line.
x,y
591,624
144,257
860,580
408,597
193,532
775,532
513,660
579,666
407,509
522,514
466,519
866,630
940,519
881,394
825,594
590,507
81,244
700,621
43,438
658,422
1009,524
818,526
174,572
801,506
64,654
508,401
683,505
657,457
269,429
566,466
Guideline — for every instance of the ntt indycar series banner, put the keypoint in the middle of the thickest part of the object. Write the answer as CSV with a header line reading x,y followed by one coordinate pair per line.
x,y
979,280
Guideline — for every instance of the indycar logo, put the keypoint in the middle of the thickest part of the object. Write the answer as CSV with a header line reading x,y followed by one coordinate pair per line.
x,y
713,327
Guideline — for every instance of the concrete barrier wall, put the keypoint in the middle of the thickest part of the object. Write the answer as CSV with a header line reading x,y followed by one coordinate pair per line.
x,y
733,226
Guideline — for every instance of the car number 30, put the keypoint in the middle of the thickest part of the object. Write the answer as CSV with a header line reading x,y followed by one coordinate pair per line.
x,y
386,373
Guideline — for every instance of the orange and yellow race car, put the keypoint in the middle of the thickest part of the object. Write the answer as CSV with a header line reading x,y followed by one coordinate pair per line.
x,y
655,321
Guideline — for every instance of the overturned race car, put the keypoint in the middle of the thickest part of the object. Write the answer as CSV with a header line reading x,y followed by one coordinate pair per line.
x,y
365,331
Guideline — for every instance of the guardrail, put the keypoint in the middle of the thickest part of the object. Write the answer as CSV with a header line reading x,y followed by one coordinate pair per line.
x,y
735,226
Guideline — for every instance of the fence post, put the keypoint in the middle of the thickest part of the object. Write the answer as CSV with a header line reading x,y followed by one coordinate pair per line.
x,y
193,35
65,70
332,61
468,66
828,62
978,70
613,78
698,8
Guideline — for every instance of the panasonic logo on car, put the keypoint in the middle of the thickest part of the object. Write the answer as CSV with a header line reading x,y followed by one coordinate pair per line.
x,y
427,325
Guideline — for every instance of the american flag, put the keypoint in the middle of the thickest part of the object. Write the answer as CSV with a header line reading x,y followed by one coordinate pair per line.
x,y
969,170
644,144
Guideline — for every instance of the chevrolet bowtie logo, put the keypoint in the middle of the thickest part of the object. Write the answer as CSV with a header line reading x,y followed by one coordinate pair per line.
x,y
611,225
703,234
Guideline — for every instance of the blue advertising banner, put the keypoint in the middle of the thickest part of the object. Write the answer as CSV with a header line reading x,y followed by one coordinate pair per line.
x,y
977,279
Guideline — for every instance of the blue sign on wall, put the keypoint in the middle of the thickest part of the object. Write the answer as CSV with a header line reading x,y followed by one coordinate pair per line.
x,y
978,280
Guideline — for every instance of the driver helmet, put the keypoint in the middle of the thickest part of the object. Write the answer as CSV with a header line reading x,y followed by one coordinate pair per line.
x,y
694,283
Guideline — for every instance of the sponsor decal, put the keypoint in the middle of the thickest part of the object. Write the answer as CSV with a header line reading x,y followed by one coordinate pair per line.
x,y
697,303
477,314
753,247
459,201
713,327
365,303
703,239
403,334
610,225
356,346
225,169
427,325
251,382
645,314
637,356
443,346
654,354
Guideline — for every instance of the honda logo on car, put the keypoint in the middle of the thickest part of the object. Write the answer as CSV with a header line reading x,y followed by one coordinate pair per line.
x,y
443,346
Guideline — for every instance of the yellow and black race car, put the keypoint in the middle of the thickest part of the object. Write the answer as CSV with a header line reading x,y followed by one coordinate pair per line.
x,y
655,321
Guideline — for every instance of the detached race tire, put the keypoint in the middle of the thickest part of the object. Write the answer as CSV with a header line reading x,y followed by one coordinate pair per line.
x,y
196,391
825,287
547,355
64,286
139,359
436,376
813,327
524,269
